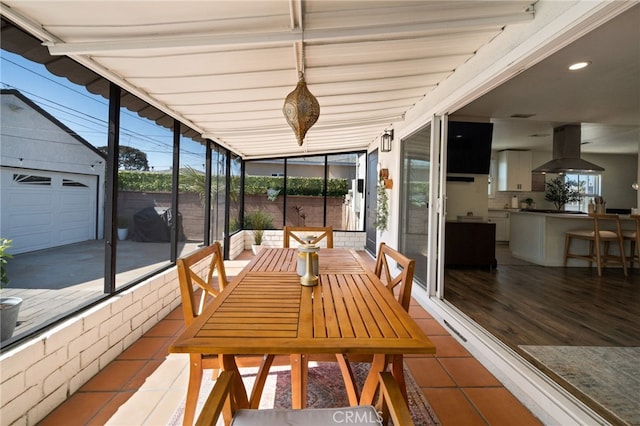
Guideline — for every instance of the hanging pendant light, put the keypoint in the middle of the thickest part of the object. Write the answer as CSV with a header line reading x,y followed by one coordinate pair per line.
x,y
301,109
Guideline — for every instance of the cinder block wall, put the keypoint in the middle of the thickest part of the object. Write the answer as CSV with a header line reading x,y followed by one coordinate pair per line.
x,y
39,375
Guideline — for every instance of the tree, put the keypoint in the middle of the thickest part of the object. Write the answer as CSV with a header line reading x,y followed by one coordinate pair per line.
x,y
130,158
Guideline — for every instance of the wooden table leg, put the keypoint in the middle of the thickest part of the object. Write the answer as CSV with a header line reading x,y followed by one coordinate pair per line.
x,y
397,369
371,384
299,377
228,363
349,378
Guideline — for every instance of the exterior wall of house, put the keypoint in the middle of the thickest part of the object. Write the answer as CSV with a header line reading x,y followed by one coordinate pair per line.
x,y
49,147
41,374
32,142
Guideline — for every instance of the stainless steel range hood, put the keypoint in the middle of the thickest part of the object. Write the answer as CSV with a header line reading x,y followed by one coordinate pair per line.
x,y
566,153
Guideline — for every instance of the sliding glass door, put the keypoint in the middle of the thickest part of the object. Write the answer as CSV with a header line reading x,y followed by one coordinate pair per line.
x,y
414,207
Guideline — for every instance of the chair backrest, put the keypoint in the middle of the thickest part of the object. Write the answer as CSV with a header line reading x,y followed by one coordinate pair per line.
x,y
298,233
224,399
636,217
606,226
386,256
198,269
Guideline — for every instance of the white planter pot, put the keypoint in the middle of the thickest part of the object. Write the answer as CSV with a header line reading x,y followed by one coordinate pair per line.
x,y
9,309
255,248
122,233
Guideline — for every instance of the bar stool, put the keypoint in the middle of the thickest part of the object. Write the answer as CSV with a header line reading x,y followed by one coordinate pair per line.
x,y
606,229
632,237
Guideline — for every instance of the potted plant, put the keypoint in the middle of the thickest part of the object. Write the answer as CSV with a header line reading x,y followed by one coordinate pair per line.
x,y
9,306
123,227
560,192
527,203
258,221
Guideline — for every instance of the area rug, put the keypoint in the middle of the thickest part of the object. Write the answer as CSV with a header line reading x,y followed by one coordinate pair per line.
x,y
608,375
325,389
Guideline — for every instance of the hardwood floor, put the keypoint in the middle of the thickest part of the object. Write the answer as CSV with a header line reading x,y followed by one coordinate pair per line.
x,y
533,305
525,304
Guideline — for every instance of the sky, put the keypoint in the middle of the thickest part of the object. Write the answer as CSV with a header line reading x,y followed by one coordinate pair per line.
x,y
87,114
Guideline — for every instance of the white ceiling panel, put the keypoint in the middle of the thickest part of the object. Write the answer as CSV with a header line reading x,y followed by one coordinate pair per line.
x,y
226,66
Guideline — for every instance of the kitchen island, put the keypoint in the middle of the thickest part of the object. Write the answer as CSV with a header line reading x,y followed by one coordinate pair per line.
x,y
538,237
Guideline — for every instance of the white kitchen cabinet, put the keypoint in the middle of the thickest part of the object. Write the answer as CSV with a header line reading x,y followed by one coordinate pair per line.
x,y
514,170
501,219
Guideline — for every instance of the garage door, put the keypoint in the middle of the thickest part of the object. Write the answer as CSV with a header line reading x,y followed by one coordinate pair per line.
x,y
47,209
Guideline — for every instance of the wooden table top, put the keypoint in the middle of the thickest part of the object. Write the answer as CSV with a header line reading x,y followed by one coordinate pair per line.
x,y
265,310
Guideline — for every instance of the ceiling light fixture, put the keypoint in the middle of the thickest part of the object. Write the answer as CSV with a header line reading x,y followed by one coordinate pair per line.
x,y
301,108
579,65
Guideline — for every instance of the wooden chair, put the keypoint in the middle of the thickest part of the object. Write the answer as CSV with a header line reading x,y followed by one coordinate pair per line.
x,y
404,279
208,263
633,238
223,397
606,230
298,233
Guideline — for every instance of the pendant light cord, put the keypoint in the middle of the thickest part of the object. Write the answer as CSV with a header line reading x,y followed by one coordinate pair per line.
x,y
302,56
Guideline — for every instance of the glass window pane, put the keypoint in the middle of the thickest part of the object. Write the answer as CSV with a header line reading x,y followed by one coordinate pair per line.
x,y
416,165
144,196
264,189
53,191
588,185
219,184
345,191
192,195
234,193
305,191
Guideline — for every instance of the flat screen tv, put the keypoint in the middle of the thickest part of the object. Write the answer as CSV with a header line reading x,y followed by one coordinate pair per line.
x,y
469,147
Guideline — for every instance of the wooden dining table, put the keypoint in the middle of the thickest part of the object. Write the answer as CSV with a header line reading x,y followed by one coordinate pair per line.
x,y
266,310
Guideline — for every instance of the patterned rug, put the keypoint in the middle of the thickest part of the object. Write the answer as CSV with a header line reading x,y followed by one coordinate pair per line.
x,y
610,376
325,389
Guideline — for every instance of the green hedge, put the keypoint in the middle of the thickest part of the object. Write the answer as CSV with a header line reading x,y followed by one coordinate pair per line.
x,y
144,181
254,185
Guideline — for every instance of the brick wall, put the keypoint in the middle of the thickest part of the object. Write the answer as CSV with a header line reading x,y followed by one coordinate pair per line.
x,y
341,239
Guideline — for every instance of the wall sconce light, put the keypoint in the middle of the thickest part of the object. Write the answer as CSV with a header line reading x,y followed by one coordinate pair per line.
x,y
385,141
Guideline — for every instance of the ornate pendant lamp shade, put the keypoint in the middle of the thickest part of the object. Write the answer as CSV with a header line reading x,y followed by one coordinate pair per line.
x,y
301,109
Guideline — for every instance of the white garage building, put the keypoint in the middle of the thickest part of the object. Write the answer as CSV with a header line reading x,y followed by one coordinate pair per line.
x,y
51,179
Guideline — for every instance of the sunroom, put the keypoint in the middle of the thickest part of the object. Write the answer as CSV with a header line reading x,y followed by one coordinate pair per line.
x,y
198,89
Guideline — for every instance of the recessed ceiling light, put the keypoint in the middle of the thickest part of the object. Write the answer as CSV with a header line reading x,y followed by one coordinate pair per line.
x,y
579,66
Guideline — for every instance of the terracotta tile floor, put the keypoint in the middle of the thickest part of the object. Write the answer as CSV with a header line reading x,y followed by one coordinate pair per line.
x,y
145,384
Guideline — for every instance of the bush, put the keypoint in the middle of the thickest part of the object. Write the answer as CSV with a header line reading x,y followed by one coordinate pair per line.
x,y
4,256
193,181
258,220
